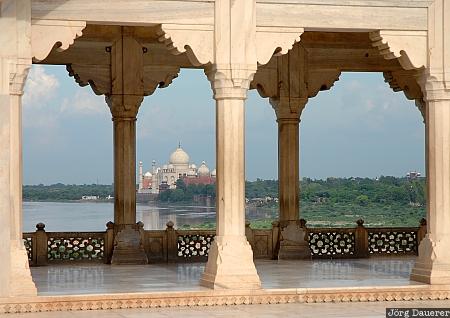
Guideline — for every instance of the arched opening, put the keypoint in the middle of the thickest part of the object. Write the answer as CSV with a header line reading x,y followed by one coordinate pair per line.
x,y
67,150
360,146
175,134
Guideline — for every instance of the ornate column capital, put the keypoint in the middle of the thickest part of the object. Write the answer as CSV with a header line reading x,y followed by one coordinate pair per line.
x,y
288,109
18,72
124,107
288,82
230,81
434,87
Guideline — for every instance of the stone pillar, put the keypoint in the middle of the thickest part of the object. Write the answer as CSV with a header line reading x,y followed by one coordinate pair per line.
x,y
433,263
230,262
292,243
127,91
128,247
124,166
124,85
15,276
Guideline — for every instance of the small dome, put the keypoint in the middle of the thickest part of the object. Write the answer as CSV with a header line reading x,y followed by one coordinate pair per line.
x,y
179,157
203,170
193,166
147,174
164,166
170,166
213,173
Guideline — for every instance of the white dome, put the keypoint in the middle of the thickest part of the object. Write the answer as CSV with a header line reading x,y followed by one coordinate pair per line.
x,y
193,166
170,166
179,157
147,174
203,170
213,173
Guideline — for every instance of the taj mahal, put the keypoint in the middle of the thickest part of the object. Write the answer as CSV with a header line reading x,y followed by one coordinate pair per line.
x,y
178,167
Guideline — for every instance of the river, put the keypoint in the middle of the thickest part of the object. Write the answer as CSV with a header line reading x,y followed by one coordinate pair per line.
x,y
93,216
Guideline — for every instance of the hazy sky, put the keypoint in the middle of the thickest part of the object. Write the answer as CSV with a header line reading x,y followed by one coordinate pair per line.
x,y
358,128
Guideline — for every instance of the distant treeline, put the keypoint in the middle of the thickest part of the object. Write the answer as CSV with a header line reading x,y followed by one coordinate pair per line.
x,y
186,193
361,191
384,190
65,192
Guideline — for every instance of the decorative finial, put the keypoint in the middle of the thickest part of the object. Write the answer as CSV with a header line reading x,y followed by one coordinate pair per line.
x,y
179,144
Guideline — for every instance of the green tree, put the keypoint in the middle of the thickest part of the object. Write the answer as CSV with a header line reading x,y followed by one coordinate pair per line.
x,y
362,200
180,184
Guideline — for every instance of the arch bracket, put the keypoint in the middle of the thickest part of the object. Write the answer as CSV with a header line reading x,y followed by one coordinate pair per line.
x,y
409,47
46,33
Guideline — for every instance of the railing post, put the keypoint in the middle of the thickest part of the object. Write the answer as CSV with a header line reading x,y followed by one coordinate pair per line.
x,y
249,236
275,239
109,242
361,240
40,246
306,230
421,231
172,247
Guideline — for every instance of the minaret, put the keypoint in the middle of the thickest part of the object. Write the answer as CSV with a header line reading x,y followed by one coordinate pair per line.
x,y
155,178
141,177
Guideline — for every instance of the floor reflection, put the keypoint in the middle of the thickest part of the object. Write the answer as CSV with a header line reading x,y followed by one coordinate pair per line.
x,y
100,278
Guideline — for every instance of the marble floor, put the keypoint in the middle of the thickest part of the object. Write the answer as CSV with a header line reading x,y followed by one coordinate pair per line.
x,y
297,310
69,279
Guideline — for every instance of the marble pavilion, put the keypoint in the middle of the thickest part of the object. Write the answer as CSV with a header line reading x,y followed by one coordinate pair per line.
x,y
289,50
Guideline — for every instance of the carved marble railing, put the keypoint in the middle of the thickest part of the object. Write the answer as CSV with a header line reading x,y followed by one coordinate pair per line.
x,y
393,240
172,245
332,242
50,247
362,242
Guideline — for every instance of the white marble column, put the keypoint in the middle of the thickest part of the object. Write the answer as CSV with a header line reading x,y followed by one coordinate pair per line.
x,y
230,262
433,264
15,62
15,276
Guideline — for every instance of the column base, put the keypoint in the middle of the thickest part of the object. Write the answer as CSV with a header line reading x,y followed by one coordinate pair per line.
x,y
230,265
128,248
433,263
293,244
21,283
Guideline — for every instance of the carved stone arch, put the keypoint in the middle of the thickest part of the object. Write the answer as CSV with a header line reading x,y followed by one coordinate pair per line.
x,y
195,40
158,76
98,77
47,35
409,47
408,83
321,80
272,41
265,80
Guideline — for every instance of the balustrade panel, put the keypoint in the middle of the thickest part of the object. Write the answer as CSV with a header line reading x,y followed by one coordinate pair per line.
x,y
393,241
77,246
331,243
